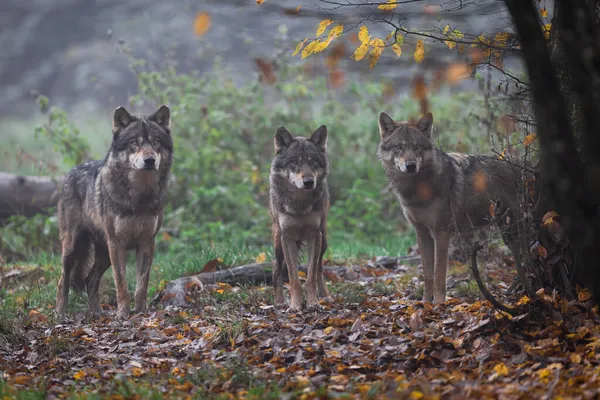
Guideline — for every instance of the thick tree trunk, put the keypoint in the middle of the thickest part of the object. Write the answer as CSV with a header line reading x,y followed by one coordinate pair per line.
x,y
571,184
26,195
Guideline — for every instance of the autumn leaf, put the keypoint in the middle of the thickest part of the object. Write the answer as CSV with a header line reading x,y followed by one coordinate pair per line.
x,y
363,34
502,155
500,369
322,26
299,47
262,257
361,51
336,31
529,139
549,217
397,49
544,13
547,28
492,209
584,294
446,29
457,71
202,23
419,53
378,47
79,375
259,2
542,252
390,6
310,48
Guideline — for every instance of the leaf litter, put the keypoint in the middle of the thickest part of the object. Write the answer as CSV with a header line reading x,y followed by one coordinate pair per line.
x,y
381,344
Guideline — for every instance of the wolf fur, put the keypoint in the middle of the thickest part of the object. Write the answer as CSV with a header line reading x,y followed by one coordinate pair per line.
x,y
113,205
443,193
299,201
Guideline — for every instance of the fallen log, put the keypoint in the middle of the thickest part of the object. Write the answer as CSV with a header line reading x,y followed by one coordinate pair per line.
x,y
176,291
27,195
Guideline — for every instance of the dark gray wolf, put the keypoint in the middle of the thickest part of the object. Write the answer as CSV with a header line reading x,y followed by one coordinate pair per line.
x,y
443,193
110,206
299,201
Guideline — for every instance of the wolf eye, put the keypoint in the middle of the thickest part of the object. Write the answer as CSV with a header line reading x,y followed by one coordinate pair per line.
x,y
133,142
155,141
399,146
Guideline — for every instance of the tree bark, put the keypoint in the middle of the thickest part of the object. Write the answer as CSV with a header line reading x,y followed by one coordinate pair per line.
x,y
27,195
564,173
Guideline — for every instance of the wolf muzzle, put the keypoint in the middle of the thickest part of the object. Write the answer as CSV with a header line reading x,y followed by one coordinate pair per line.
x,y
150,162
309,182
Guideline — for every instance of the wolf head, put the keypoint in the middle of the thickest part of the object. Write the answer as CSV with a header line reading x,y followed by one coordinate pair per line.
x,y
142,143
405,146
302,161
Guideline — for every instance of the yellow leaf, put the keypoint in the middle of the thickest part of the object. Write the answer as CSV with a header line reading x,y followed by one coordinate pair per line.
x,y
79,375
502,155
479,40
450,44
259,2
547,28
323,25
201,23
524,300
328,330
549,217
416,395
584,295
361,51
310,49
544,375
280,370
299,47
363,34
501,38
542,252
544,13
336,31
301,274
262,257
397,49
137,372
390,6
419,54
575,358
500,369
529,139
378,47
446,29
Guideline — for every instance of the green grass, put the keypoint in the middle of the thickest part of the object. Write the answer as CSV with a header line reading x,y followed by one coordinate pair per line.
x,y
170,264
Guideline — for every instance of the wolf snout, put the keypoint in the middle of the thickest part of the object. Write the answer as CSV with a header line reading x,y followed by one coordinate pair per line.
x,y
309,182
411,166
149,162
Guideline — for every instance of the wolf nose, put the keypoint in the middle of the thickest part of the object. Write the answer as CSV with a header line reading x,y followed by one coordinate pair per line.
x,y
411,167
309,183
149,162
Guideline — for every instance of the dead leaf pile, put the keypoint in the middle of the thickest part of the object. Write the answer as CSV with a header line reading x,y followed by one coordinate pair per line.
x,y
386,346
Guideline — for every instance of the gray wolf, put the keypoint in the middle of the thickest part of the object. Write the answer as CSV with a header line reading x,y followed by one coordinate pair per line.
x,y
299,202
444,193
113,205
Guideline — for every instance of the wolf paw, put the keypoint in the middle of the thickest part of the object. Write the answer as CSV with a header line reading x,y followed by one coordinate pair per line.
x,y
293,309
122,315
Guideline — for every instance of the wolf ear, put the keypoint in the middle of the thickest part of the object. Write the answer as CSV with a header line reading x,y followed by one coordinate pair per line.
x,y
162,116
121,119
319,137
283,139
426,124
386,125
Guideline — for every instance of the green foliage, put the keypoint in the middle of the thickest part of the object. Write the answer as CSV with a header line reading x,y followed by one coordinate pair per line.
x,y
223,136
62,134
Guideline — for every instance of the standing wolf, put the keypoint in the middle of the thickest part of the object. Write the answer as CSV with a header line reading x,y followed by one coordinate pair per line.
x,y
110,206
442,193
299,201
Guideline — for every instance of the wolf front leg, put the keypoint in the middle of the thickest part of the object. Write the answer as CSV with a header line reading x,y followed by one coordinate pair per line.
x,y
118,260
143,265
290,254
278,271
442,241
427,249
321,285
314,253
